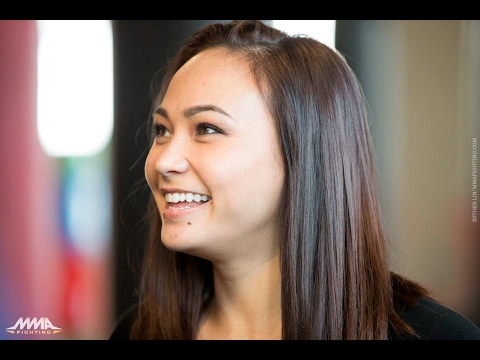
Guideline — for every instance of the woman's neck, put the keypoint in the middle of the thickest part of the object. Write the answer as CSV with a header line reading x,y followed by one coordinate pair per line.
x,y
247,302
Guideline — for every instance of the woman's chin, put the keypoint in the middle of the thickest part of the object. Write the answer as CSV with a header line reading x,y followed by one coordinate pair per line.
x,y
181,241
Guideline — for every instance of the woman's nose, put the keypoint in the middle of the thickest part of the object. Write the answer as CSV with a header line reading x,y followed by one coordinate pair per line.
x,y
172,159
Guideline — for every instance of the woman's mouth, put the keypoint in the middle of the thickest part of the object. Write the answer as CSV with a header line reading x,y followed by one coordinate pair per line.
x,y
180,204
185,200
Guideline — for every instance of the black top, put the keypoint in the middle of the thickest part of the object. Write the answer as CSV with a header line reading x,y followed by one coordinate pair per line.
x,y
434,321
430,319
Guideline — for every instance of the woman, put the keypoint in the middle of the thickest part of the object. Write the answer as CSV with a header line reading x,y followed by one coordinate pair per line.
x,y
264,216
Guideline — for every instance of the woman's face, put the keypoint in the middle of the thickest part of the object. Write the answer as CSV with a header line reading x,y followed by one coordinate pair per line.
x,y
217,144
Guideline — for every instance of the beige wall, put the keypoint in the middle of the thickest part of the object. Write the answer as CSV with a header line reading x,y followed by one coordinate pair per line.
x,y
422,81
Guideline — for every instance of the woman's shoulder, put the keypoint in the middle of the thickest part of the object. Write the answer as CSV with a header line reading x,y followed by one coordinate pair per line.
x,y
432,320
121,330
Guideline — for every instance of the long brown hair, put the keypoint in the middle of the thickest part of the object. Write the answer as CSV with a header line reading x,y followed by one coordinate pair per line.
x,y
336,282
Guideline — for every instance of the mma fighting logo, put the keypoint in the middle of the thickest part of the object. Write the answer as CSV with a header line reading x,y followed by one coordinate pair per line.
x,y
41,326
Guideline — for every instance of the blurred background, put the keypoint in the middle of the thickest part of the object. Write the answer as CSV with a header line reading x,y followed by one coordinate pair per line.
x,y
74,101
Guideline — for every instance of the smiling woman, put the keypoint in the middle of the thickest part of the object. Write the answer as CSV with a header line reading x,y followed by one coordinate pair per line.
x,y
211,151
264,215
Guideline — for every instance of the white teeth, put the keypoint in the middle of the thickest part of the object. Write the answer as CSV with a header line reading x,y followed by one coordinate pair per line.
x,y
180,208
189,197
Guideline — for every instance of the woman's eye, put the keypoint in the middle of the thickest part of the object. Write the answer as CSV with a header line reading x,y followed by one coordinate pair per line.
x,y
206,129
161,131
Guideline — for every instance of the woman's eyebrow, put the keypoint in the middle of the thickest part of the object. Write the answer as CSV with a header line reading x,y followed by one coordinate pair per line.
x,y
193,110
162,112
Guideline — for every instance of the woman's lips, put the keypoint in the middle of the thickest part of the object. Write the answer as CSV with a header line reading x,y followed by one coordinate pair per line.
x,y
181,209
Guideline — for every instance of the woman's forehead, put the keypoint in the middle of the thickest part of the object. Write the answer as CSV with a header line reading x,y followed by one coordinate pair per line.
x,y
214,76
217,64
